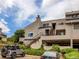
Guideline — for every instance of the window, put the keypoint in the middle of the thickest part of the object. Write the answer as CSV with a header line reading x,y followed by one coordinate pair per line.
x,y
76,26
30,34
45,25
60,32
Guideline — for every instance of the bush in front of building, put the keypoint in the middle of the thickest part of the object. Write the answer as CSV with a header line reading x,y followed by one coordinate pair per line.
x,y
55,48
37,52
72,55
22,46
30,51
67,50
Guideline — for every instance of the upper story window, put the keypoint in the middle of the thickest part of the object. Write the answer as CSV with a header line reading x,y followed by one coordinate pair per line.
x,y
74,16
30,34
60,32
76,26
45,25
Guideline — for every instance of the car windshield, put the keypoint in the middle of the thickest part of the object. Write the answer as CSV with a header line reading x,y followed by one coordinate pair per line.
x,y
12,47
50,54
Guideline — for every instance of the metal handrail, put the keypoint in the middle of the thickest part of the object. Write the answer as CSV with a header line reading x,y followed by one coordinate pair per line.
x,y
38,35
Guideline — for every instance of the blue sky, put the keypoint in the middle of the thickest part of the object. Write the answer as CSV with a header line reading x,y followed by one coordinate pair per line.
x,y
17,14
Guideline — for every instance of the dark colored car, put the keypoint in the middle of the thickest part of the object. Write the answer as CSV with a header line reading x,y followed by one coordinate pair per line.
x,y
50,55
10,52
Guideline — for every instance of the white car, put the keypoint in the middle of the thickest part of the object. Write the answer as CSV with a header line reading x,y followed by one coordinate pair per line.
x,y
50,55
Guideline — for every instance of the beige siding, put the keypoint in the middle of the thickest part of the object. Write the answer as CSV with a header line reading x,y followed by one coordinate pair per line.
x,y
32,28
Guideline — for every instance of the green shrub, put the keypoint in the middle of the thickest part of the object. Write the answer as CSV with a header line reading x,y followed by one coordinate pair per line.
x,y
67,50
72,55
22,46
20,42
55,48
31,51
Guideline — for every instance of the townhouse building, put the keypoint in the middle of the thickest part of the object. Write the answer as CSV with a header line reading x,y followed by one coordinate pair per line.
x,y
63,32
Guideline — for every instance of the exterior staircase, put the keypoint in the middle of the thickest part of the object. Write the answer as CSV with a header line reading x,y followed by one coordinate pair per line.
x,y
37,44
34,42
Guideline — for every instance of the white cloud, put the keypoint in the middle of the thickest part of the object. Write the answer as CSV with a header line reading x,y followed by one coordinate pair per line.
x,y
27,8
55,9
48,3
72,5
3,25
3,21
4,4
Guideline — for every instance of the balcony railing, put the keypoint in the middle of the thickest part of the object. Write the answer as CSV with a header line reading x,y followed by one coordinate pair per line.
x,y
72,18
45,27
72,21
55,37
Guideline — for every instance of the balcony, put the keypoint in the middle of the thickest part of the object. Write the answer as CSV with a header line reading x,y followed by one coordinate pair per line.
x,y
55,37
72,18
72,21
45,27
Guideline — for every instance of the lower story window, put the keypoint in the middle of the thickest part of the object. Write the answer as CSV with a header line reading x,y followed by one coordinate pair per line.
x,y
76,26
30,34
60,32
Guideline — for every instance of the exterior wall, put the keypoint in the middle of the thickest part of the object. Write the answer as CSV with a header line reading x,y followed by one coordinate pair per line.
x,y
58,37
4,39
32,28
37,44
75,33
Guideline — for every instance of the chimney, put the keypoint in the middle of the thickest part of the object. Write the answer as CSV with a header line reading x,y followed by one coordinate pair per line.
x,y
38,18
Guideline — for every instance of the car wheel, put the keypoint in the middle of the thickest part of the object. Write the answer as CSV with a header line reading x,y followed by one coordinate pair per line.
x,y
13,56
23,54
3,56
8,57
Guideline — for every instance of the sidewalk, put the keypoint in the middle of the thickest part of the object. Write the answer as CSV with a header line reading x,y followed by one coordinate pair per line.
x,y
29,57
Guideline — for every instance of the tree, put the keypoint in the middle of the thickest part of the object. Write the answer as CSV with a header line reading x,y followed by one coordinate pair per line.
x,y
17,35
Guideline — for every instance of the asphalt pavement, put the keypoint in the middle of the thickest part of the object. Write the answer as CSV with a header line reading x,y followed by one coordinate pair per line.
x,y
26,57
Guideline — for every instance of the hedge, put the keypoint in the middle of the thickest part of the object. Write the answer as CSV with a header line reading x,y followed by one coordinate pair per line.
x,y
72,55
67,50
31,51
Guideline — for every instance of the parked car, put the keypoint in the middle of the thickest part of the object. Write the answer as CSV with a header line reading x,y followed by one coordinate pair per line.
x,y
50,55
10,52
